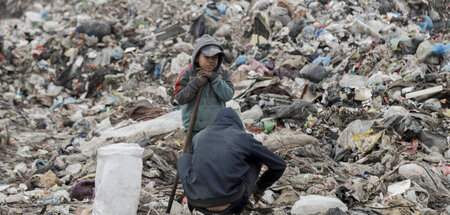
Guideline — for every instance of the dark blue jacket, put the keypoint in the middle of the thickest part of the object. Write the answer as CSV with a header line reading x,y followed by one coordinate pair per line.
x,y
221,158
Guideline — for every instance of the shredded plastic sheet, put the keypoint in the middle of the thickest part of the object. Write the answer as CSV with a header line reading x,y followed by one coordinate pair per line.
x,y
366,142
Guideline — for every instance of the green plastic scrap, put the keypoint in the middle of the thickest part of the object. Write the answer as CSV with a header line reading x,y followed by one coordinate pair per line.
x,y
269,125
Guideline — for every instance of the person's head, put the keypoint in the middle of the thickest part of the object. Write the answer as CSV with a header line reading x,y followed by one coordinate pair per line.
x,y
208,55
229,117
208,58
207,63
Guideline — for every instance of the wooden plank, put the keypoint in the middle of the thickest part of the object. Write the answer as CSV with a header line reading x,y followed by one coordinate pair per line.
x,y
424,92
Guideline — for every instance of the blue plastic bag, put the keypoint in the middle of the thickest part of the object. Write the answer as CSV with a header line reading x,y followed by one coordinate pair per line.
x,y
222,9
133,9
242,59
427,24
324,60
117,53
320,32
157,72
440,49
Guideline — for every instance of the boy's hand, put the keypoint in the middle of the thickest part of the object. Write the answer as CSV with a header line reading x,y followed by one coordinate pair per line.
x,y
257,193
205,73
202,78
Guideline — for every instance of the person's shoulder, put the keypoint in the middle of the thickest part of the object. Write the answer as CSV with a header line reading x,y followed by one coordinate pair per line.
x,y
222,70
249,136
240,132
188,70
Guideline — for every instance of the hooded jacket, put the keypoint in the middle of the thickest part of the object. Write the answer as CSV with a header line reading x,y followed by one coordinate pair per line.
x,y
216,92
213,175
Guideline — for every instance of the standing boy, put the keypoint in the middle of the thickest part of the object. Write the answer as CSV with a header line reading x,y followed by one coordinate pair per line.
x,y
206,71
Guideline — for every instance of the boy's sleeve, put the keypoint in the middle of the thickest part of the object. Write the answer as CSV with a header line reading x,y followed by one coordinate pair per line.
x,y
275,163
184,165
223,86
186,90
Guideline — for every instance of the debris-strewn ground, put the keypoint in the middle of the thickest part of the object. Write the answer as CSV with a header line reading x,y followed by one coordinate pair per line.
x,y
352,94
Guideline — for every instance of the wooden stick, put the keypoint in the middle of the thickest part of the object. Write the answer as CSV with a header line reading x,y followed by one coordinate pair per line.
x,y
187,142
424,92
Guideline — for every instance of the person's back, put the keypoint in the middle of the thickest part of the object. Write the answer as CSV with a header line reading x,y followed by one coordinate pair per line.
x,y
225,165
221,144
205,72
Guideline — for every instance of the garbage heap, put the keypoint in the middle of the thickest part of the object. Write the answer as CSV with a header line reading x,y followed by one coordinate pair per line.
x,y
353,95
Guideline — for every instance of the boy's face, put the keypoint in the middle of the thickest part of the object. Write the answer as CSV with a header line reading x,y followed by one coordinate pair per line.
x,y
207,63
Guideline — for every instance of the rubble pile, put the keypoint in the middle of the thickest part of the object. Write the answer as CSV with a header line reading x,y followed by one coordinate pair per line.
x,y
352,94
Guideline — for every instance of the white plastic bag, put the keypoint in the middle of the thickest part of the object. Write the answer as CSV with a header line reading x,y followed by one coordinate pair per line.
x,y
314,204
253,114
179,63
118,179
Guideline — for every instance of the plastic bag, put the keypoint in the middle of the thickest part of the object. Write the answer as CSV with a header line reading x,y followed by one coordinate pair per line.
x,y
424,22
314,204
269,125
200,26
118,179
366,142
98,29
242,59
440,48
324,60
314,72
179,63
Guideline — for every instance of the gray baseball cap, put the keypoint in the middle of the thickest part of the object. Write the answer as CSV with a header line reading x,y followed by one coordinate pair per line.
x,y
211,50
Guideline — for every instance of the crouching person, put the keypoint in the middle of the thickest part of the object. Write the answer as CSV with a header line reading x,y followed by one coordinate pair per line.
x,y
222,172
